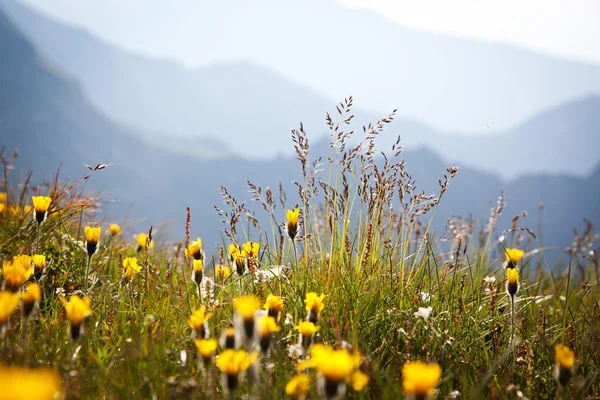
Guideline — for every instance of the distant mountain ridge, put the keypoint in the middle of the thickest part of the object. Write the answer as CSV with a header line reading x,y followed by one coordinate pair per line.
x,y
451,83
50,120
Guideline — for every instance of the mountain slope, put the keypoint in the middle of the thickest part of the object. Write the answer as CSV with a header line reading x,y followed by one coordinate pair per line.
x,y
451,83
50,121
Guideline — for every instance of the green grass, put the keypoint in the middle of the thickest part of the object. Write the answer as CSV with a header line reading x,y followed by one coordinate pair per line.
x,y
373,263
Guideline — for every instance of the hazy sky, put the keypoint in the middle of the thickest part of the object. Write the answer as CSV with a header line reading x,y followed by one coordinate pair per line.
x,y
560,27
564,28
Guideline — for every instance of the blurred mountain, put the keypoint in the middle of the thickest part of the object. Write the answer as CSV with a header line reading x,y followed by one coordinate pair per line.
x,y
453,84
50,120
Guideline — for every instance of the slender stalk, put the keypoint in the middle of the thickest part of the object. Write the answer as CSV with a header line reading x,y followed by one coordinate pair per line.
x,y
87,274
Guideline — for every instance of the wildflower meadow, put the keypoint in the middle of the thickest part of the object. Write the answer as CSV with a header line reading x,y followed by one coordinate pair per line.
x,y
348,292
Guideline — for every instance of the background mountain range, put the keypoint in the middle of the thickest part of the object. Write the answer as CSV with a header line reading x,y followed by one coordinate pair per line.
x,y
174,134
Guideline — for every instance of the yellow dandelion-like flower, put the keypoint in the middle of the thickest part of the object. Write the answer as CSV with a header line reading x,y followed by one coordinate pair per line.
x,y
232,362
292,222
16,272
40,207
132,267
194,250
31,295
314,305
273,305
199,322
222,272
77,310
114,229
513,256
512,283
144,242
20,383
251,249
92,236
565,360
39,263
246,306
298,386
420,379
8,304
206,348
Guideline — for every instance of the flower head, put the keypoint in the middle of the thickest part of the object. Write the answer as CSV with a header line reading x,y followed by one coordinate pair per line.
x,y
16,272
513,256
199,322
222,271
292,222
250,249
131,267
114,229
420,379
307,330
298,386
267,326
39,263
512,282
144,242
206,348
20,383
40,206
273,305
245,306
77,310
31,296
194,250
92,236
565,360
232,362
198,269
314,305
8,304
424,312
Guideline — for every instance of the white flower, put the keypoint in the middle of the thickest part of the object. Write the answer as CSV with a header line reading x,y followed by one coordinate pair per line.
x,y
424,312
489,279
426,297
454,394
402,331
295,351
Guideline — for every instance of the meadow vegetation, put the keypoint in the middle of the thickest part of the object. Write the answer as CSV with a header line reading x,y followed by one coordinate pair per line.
x,y
348,293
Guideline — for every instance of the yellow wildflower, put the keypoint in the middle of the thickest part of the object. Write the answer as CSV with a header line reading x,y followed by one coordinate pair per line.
x,y
513,256
292,222
39,263
144,242
92,236
246,306
197,274
267,326
40,206
8,304
307,330
512,283
314,306
31,296
206,348
199,322
298,386
273,305
131,267
20,383
194,250
16,272
221,271
232,362
565,360
114,229
77,310
420,379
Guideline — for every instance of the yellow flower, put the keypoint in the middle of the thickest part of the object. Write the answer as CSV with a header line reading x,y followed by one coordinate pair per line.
x,y
245,306
222,271
273,305
31,295
198,267
513,256
39,261
92,236
565,360
228,338
8,304
40,206
144,242
420,379
307,328
197,275
358,380
233,250
232,362
194,250
19,383
512,284
565,357
114,229
292,222
16,272
206,347
131,267
3,197
268,326
314,306
77,309
250,249
198,322
298,386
